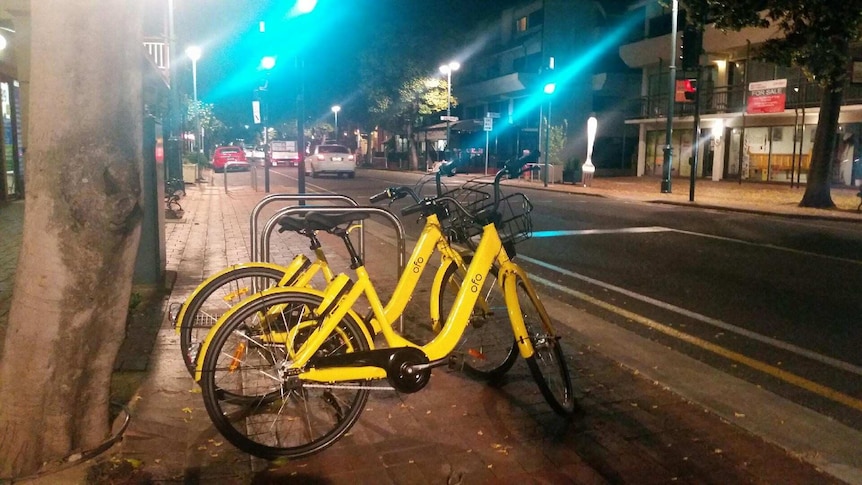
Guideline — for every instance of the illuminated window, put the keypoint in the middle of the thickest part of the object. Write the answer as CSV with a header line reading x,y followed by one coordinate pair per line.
x,y
521,24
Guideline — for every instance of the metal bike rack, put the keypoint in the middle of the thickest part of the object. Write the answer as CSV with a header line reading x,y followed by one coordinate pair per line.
x,y
396,223
251,170
255,213
266,233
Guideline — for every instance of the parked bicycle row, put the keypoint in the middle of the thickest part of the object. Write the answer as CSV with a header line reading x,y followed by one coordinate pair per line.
x,y
286,364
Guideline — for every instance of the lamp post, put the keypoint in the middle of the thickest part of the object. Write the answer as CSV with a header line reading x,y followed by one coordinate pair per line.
x,y
447,69
549,90
335,110
173,148
194,53
668,143
267,63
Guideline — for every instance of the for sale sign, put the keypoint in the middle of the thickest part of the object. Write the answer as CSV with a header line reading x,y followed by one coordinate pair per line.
x,y
767,96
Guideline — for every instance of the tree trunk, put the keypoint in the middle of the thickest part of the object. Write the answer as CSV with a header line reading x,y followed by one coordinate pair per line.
x,y
411,148
81,230
818,187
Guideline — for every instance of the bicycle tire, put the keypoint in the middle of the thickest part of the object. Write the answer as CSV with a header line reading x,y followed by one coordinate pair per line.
x,y
286,418
547,364
487,347
213,299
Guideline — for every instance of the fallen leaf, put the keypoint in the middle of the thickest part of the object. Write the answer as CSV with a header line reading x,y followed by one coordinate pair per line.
x,y
187,410
134,462
739,415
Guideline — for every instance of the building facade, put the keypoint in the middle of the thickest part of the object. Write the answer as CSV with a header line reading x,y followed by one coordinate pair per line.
x,y
738,140
515,54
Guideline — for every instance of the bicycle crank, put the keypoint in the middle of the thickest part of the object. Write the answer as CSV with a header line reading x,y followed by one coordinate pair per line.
x,y
407,368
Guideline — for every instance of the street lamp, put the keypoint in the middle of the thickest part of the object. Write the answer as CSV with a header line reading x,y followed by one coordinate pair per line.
x,y
194,53
335,110
668,138
447,69
267,63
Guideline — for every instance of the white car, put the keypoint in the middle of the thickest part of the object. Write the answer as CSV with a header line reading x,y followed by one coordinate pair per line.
x,y
331,159
258,153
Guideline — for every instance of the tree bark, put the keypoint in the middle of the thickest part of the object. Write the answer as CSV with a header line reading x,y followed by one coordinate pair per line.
x,y
818,186
412,153
81,230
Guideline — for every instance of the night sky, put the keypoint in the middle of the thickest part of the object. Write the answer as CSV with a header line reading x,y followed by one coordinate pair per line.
x,y
330,39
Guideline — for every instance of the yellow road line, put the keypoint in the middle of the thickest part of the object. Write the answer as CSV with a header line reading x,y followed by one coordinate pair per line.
x,y
808,385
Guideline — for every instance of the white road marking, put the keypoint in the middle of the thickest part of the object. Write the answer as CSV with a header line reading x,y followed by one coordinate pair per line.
x,y
823,359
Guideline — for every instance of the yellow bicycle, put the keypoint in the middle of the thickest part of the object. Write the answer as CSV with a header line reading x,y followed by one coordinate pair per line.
x,y
307,360
221,291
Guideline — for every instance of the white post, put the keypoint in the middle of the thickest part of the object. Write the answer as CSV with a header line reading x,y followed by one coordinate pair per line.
x,y
588,169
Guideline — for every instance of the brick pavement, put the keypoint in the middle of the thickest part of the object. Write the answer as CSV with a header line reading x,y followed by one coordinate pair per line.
x,y
457,430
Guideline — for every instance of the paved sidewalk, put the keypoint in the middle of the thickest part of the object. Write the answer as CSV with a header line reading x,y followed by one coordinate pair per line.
x,y
457,430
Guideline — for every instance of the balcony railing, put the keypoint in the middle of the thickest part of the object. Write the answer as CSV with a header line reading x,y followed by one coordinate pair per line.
x,y
158,52
731,99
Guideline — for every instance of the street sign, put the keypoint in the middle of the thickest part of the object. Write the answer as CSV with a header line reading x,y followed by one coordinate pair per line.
x,y
493,115
489,124
449,118
255,110
766,96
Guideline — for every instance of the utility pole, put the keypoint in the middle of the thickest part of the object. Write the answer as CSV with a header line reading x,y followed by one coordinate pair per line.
x,y
668,140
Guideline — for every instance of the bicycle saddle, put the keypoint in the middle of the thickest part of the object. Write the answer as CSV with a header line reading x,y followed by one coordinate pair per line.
x,y
320,221
292,222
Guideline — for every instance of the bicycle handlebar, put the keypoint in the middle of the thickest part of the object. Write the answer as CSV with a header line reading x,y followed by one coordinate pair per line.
x,y
394,193
512,169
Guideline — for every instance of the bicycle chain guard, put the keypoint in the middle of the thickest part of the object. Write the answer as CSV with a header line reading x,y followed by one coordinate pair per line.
x,y
402,373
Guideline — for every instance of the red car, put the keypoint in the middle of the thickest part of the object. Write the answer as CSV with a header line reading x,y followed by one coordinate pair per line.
x,y
233,154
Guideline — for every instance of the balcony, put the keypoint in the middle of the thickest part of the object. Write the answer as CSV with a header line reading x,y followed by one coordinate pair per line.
x,y
730,99
157,50
506,85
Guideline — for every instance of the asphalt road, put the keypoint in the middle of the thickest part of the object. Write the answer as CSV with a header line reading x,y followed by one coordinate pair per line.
x,y
773,300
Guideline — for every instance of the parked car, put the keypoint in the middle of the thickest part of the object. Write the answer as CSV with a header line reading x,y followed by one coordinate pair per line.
x,y
331,159
233,154
258,153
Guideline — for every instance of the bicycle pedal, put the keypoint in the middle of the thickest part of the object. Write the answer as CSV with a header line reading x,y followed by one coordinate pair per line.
x,y
456,361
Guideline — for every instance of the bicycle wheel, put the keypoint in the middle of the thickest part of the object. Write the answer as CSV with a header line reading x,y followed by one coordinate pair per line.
x,y
282,416
214,299
487,346
547,364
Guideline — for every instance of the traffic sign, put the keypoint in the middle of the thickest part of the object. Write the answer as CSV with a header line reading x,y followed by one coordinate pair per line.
x,y
493,115
449,118
489,124
255,111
